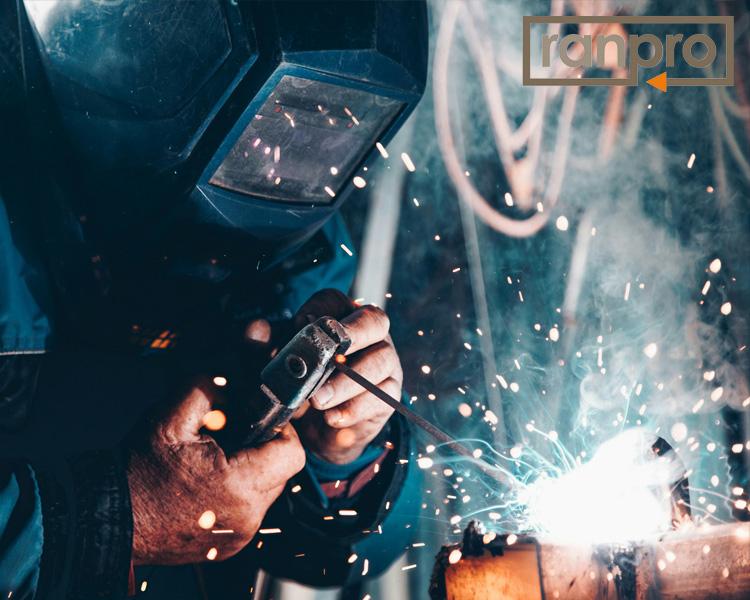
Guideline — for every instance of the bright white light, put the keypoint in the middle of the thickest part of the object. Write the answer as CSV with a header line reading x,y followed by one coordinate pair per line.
x,y
614,498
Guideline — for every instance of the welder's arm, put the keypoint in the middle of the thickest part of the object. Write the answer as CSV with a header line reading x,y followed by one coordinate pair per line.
x,y
66,525
335,539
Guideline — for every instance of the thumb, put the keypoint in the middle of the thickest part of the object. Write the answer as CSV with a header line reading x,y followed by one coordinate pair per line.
x,y
185,419
273,462
258,332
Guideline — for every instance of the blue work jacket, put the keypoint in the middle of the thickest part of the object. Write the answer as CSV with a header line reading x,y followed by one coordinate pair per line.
x,y
65,519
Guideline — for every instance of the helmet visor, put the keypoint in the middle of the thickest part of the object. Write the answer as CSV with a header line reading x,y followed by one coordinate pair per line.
x,y
305,142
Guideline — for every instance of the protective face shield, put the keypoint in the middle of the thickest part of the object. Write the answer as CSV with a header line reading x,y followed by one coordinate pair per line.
x,y
199,123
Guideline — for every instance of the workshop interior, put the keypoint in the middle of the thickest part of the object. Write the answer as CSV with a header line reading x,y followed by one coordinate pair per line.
x,y
375,299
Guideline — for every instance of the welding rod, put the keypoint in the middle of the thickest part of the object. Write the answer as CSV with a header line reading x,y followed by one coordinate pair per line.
x,y
424,424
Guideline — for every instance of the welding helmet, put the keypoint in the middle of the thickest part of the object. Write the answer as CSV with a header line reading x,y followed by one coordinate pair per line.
x,y
207,122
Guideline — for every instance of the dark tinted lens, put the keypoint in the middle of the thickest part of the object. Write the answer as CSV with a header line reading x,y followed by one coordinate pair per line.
x,y
305,141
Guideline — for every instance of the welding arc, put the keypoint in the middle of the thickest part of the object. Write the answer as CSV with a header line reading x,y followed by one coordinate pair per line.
x,y
437,433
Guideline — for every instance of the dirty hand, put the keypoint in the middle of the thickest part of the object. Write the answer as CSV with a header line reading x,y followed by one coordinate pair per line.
x,y
344,418
180,474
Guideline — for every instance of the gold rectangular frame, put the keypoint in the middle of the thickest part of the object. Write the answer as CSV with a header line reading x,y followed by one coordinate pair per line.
x,y
632,78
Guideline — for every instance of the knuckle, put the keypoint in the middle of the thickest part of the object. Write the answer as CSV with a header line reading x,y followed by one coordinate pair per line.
x,y
334,418
392,386
384,360
378,316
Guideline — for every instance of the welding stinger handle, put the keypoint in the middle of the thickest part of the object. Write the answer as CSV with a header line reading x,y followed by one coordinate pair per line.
x,y
292,376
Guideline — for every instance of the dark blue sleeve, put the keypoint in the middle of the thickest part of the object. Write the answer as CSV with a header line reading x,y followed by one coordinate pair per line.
x,y
65,524
20,532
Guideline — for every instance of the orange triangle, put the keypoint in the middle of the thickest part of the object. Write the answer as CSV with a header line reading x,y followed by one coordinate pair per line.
x,y
659,82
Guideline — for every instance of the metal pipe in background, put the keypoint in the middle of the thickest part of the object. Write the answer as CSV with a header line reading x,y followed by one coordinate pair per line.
x,y
691,564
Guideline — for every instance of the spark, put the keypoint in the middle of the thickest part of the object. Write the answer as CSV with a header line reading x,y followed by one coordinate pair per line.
x,y
381,149
409,567
269,531
562,223
346,249
715,265
621,479
508,199
679,432
334,171
352,559
426,369
212,553
454,556
424,462
691,161
554,334
706,287
220,381
359,182
650,350
726,308
207,520
627,291
491,417
408,162
214,420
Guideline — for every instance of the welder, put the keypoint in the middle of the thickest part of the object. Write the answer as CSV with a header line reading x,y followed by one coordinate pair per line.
x,y
170,181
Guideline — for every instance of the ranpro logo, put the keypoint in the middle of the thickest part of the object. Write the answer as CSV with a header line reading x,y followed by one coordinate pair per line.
x,y
579,52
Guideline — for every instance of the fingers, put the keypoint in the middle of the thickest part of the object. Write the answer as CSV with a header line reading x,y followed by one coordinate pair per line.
x,y
274,462
258,331
184,421
377,364
363,408
366,326
329,302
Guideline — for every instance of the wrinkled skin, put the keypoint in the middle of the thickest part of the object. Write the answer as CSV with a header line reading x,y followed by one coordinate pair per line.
x,y
181,472
343,418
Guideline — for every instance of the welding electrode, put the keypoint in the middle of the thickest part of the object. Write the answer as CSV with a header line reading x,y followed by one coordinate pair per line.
x,y
424,424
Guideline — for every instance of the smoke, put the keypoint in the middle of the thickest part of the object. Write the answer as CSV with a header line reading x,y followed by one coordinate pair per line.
x,y
621,307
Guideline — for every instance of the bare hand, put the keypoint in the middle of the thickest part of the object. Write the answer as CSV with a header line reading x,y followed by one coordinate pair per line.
x,y
191,502
346,418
